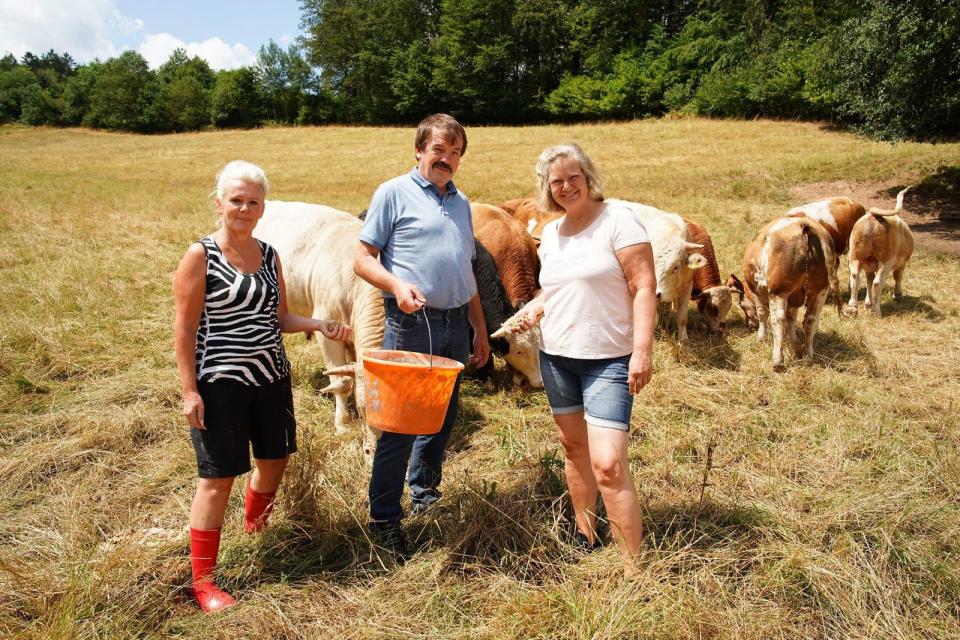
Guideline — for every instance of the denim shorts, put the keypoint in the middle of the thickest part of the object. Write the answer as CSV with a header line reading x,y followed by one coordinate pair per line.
x,y
599,388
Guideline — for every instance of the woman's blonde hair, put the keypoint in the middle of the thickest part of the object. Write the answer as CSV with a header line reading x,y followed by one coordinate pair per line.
x,y
566,150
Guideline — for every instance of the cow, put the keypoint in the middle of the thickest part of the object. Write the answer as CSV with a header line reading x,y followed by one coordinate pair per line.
x,y
316,246
791,262
836,216
526,212
880,244
520,352
675,258
515,256
712,296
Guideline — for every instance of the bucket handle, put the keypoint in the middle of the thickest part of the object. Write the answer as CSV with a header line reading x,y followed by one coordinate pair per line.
x,y
429,334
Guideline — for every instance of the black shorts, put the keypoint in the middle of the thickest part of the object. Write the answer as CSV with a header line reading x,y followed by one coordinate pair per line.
x,y
237,416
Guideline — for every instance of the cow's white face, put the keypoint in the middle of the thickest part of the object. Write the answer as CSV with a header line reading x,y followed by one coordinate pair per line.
x,y
714,305
674,265
524,355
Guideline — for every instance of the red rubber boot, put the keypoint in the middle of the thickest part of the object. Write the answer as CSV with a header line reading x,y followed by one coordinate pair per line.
x,y
258,507
204,545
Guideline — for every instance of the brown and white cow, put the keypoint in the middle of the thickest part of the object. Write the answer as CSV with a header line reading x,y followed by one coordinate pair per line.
x,y
789,264
836,216
880,244
675,258
713,297
316,247
515,256
526,212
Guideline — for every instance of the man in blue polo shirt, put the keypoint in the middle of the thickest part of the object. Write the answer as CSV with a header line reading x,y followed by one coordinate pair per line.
x,y
416,246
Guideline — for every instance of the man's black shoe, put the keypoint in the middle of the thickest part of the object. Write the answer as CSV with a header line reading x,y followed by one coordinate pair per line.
x,y
389,536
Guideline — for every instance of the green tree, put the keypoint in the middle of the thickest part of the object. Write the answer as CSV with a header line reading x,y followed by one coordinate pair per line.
x,y
235,100
76,94
185,87
372,54
15,84
903,81
286,79
476,68
541,31
124,95
40,106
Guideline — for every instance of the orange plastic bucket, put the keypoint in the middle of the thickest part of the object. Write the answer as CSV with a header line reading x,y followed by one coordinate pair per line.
x,y
404,393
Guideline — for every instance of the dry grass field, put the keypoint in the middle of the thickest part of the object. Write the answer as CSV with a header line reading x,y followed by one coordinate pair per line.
x,y
822,502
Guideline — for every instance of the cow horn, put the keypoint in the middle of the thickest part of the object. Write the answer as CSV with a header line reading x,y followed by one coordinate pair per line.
x,y
692,246
890,212
343,370
502,332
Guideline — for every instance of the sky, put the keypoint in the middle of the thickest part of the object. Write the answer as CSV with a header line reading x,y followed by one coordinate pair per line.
x,y
226,34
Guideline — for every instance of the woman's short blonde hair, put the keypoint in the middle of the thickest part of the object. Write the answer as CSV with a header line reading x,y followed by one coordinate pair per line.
x,y
244,172
566,150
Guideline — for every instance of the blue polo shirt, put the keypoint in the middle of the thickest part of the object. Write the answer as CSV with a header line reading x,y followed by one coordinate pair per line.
x,y
423,238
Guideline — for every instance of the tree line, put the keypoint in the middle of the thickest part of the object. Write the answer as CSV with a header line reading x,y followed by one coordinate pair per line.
x,y
890,68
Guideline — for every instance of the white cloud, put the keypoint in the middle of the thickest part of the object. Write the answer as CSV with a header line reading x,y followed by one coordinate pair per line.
x,y
157,47
86,29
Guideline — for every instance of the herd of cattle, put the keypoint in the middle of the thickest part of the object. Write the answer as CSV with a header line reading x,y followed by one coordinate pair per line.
x,y
792,262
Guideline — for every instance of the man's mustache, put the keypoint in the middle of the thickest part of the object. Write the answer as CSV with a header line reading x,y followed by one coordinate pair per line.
x,y
440,164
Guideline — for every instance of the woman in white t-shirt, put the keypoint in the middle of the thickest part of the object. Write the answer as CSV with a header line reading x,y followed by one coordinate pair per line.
x,y
598,310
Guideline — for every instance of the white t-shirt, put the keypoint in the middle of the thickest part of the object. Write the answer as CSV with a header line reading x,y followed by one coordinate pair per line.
x,y
588,311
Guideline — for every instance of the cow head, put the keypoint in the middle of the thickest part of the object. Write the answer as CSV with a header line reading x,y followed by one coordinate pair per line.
x,y
747,304
523,355
674,260
714,305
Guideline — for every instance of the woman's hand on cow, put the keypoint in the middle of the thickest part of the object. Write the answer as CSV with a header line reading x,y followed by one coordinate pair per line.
x,y
639,371
528,317
193,409
335,330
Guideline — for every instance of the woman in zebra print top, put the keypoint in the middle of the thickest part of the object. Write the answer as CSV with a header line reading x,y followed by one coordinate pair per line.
x,y
230,309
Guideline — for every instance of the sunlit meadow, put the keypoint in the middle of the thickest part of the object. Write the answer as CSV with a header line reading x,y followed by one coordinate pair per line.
x,y
819,502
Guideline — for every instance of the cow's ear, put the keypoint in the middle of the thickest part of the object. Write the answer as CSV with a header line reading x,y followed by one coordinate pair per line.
x,y
734,283
696,261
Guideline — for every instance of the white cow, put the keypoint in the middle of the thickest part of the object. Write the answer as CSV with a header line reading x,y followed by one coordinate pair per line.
x,y
316,246
675,258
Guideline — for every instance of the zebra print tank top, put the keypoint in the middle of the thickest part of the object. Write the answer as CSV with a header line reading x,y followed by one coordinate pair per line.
x,y
239,334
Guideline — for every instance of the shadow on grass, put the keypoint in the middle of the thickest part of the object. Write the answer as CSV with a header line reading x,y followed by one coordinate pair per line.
x,y
712,351
469,421
906,306
936,196
712,525
523,530
483,528
830,347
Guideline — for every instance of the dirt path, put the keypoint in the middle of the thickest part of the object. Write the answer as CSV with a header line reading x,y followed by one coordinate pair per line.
x,y
931,207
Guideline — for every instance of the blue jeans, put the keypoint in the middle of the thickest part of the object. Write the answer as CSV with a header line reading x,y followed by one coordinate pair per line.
x,y
598,387
421,457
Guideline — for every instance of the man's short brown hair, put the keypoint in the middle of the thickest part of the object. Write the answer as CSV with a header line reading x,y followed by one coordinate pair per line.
x,y
447,125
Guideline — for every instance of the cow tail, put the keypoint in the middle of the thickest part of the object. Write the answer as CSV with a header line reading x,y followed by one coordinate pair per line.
x,y
805,258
